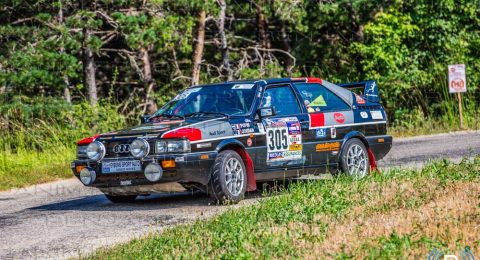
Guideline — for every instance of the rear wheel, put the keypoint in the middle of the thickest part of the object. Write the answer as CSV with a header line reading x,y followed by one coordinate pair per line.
x,y
354,159
228,182
121,198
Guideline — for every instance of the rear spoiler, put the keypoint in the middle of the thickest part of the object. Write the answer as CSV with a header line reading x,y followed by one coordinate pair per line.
x,y
368,89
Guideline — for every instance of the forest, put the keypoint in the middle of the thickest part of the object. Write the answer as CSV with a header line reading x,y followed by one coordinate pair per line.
x,y
73,68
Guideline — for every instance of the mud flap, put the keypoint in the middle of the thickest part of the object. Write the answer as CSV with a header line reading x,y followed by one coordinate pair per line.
x,y
371,158
251,179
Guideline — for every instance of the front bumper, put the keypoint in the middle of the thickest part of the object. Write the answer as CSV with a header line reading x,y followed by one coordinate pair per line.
x,y
189,168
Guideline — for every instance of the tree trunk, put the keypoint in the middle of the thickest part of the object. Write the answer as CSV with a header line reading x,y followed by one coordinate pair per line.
x,y
223,40
66,88
286,47
198,52
89,69
262,27
150,106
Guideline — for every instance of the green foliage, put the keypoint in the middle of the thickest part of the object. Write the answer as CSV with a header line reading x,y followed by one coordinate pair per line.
x,y
48,124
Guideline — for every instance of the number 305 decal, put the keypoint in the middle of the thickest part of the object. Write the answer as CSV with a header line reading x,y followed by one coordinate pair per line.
x,y
277,139
284,139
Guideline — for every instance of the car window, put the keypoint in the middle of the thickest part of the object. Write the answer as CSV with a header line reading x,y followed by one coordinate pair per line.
x,y
317,98
231,98
282,99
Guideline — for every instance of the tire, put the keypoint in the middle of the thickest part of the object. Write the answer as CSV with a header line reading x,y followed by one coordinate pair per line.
x,y
228,185
121,198
354,159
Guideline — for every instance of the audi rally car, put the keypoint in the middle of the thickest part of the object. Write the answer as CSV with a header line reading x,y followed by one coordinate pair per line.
x,y
224,138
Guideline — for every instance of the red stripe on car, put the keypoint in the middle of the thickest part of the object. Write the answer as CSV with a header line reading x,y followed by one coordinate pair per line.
x,y
192,134
317,119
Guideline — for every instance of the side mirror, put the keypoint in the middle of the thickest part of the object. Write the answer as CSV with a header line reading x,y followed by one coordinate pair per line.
x,y
266,112
144,119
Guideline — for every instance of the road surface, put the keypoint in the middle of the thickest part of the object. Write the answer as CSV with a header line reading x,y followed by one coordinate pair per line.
x,y
64,219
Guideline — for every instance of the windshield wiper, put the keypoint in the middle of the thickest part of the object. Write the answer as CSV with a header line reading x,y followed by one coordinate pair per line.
x,y
167,115
208,113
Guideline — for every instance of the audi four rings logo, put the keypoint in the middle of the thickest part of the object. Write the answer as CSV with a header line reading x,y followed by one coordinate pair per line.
x,y
121,148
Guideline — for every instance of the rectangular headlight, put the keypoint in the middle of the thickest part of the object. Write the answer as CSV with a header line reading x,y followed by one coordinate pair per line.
x,y
178,146
161,146
82,151
173,146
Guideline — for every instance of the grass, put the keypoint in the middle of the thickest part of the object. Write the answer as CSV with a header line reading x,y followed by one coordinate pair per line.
x,y
25,168
399,214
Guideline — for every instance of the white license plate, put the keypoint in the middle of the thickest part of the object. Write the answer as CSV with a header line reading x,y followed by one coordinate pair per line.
x,y
121,166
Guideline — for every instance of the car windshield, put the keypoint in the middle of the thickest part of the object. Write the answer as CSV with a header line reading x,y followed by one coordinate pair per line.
x,y
225,99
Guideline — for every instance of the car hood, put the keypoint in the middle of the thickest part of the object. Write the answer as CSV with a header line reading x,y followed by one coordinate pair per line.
x,y
207,125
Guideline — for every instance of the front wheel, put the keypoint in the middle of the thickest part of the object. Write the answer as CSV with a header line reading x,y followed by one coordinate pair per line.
x,y
354,159
228,182
121,198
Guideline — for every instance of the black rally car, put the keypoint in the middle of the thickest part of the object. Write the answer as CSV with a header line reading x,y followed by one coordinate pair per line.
x,y
224,138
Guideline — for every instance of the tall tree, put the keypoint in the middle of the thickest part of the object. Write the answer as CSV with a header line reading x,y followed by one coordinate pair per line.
x,y
89,68
223,39
199,42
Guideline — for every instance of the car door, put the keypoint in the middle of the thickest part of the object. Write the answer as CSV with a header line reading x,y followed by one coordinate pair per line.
x,y
283,148
330,119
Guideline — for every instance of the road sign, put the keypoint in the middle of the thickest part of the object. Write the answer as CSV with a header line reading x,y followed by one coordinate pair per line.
x,y
457,81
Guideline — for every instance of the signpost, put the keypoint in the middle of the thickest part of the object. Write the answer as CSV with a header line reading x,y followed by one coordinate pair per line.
x,y
457,83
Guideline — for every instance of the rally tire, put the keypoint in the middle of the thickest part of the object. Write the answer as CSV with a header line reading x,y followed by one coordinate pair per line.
x,y
354,160
228,181
121,199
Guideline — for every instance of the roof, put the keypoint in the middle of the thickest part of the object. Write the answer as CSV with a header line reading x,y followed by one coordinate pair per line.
x,y
343,93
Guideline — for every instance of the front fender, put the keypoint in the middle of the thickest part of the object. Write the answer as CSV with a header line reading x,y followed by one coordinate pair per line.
x,y
228,142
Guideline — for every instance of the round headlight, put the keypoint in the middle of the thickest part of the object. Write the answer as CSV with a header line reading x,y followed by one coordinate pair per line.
x,y
95,151
87,176
153,172
139,148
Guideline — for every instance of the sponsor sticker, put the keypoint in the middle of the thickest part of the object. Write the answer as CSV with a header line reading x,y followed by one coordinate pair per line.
x,y
204,145
321,133
359,100
180,159
261,128
295,147
333,132
319,102
284,139
243,86
339,117
324,147
364,114
376,114
242,128
187,93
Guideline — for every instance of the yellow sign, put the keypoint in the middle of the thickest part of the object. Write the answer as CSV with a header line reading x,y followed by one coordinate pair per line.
x,y
319,102
295,147
335,146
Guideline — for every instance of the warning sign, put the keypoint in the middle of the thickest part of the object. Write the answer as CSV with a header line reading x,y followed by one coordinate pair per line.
x,y
457,81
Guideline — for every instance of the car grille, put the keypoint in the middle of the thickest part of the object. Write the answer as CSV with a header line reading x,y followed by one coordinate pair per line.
x,y
121,149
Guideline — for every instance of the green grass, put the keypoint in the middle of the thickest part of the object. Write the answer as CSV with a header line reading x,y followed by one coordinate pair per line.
x,y
301,220
26,168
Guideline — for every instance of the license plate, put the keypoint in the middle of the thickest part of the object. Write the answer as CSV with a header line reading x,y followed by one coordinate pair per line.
x,y
121,166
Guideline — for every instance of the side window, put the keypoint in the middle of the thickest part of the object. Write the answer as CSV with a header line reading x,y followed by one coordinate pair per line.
x,y
283,99
317,98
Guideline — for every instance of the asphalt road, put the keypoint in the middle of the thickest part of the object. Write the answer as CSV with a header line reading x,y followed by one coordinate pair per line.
x,y
64,219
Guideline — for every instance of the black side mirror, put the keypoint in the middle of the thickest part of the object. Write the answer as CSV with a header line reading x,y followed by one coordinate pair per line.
x,y
266,112
144,119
